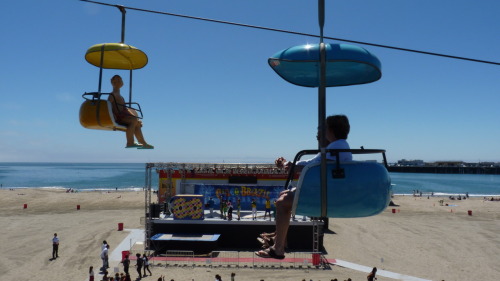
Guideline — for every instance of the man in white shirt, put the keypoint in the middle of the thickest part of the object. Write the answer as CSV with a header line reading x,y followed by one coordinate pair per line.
x,y
337,130
104,257
55,247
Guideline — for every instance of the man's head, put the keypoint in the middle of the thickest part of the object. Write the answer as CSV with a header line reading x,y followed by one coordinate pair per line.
x,y
337,126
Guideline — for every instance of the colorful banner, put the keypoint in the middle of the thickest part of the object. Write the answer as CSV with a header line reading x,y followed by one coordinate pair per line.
x,y
234,192
187,207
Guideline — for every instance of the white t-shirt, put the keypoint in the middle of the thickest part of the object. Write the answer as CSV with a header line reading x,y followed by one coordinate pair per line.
x,y
104,253
338,144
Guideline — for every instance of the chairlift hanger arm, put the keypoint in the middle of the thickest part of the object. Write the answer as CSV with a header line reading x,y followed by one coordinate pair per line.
x,y
123,11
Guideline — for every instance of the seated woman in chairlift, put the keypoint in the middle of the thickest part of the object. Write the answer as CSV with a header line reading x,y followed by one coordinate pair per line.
x,y
127,117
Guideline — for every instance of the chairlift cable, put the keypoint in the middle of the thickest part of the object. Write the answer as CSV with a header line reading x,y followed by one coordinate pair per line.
x,y
298,33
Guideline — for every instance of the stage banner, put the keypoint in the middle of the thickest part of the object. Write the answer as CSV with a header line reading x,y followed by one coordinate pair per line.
x,y
235,192
164,192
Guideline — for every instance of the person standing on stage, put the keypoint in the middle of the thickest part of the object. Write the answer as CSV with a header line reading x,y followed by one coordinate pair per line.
x,y
254,209
268,208
238,208
211,204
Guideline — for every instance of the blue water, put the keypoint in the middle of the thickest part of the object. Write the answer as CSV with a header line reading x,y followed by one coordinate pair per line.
x,y
92,176
446,184
73,175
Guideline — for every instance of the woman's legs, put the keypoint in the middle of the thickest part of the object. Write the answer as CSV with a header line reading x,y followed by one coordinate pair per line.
x,y
134,128
131,123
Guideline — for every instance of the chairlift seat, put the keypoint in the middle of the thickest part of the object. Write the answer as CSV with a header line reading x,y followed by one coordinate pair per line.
x,y
365,190
98,114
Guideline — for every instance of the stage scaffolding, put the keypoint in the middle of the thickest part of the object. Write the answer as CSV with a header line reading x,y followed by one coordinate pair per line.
x,y
228,169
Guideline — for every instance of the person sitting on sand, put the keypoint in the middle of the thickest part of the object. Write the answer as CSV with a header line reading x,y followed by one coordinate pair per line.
x,y
337,130
127,116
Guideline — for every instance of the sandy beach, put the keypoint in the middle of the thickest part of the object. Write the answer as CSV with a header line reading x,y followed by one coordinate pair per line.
x,y
421,239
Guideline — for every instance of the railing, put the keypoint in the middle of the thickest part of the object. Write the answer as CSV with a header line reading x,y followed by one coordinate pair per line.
x,y
236,259
99,96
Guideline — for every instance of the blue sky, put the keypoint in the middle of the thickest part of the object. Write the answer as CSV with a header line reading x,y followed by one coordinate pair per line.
x,y
208,94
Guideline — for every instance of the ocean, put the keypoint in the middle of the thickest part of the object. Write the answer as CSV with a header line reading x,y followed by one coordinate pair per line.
x,y
131,176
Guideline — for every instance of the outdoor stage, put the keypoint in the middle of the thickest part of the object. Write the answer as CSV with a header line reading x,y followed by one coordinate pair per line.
x,y
216,234
185,189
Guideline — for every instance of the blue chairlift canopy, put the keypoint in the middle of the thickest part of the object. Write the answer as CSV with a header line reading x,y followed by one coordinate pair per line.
x,y
345,65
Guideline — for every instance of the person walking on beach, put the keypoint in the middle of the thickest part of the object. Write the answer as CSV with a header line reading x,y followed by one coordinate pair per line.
x,y
371,276
146,264
104,244
105,257
139,264
55,247
126,264
91,273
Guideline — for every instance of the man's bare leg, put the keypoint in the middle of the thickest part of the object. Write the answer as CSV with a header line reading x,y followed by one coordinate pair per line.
x,y
283,214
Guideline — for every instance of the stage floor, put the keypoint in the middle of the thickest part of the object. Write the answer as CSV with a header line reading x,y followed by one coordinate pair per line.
x,y
234,234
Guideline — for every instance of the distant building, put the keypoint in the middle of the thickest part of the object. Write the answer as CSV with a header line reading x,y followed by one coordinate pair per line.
x,y
447,164
405,162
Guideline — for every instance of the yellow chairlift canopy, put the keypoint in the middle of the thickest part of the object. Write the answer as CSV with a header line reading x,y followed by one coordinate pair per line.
x,y
116,56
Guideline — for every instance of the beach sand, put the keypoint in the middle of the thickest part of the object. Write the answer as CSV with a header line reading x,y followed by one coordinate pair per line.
x,y
423,239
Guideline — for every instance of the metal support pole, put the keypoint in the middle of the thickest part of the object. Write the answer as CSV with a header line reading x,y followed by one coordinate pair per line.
x,y
100,69
147,207
322,109
130,89
122,9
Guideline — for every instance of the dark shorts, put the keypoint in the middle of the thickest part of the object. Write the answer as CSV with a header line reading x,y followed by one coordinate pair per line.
x,y
122,115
